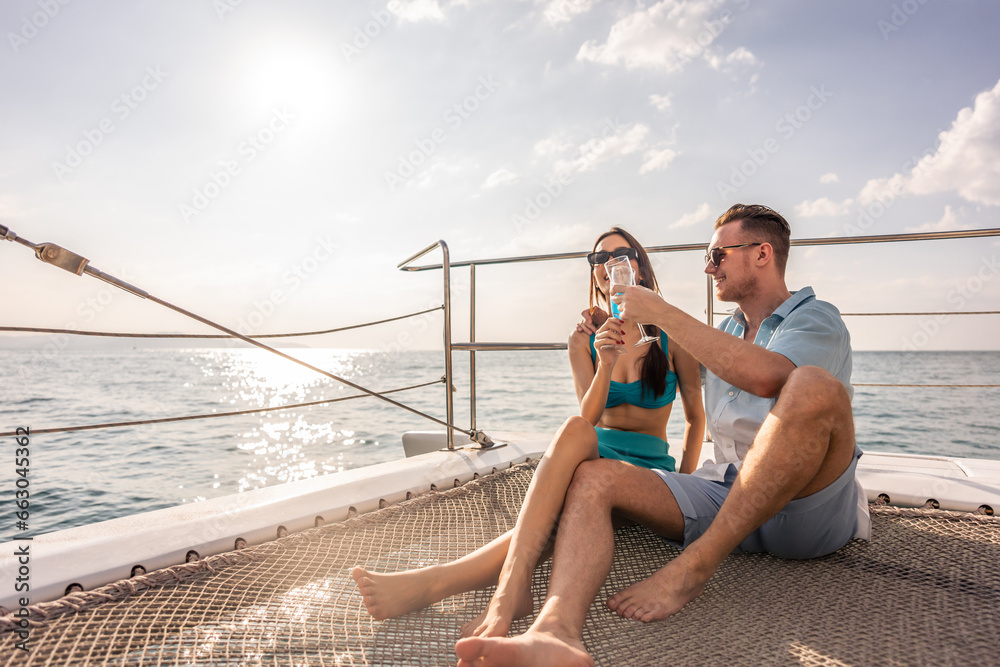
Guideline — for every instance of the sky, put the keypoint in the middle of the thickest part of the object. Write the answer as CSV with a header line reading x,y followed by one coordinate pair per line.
x,y
268,164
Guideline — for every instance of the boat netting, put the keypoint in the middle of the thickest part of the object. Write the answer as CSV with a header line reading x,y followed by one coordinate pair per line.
x,y
925,590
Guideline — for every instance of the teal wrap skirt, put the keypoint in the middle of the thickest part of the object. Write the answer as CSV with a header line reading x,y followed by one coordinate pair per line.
x,y
639,449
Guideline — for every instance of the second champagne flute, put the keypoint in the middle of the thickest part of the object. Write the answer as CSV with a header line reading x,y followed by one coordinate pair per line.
x,y
620,272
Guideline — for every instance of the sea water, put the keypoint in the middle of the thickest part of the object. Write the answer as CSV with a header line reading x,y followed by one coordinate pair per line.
x,y
82,477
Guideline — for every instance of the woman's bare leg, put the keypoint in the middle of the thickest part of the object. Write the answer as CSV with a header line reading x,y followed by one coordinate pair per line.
x,y
394,594
575,442
390,595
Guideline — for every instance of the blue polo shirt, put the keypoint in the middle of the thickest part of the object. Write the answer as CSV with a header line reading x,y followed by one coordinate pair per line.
x,y
807,331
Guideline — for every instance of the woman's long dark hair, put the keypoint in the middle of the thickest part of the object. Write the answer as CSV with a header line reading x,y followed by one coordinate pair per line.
x,y
654,365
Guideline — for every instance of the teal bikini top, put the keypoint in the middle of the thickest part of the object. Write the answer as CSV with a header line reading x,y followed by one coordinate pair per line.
x,y
637,393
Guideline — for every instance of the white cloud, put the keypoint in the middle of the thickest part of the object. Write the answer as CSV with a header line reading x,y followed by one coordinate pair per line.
x,y
563,11
553,146
667,36
601,149
657,160
822,207
829,178
500,177
416,11
703,213
947,223
741,57
660,102
966,159
881,188
615,141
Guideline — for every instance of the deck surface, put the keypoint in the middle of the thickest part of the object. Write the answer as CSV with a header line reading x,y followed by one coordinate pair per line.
x,y
921,592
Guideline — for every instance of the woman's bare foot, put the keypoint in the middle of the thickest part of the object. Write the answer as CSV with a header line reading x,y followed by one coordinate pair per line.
x,y
394,594
664,593
499,613
535,647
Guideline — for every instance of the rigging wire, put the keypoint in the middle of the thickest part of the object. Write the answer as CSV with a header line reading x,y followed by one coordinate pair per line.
x,y
50,253
164,420
117,334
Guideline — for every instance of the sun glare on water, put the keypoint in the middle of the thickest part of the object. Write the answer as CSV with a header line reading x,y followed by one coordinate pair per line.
x,y
287,445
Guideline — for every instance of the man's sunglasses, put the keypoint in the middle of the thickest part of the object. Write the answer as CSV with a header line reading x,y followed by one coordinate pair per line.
x,y
602,256
715,255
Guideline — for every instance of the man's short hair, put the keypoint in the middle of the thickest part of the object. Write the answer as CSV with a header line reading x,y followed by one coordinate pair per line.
x,y
762,224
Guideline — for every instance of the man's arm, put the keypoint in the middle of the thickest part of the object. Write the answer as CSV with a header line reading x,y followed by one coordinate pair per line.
x,y
744,365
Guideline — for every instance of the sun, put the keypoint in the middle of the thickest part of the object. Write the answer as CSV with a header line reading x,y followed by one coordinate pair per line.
x,y
291,75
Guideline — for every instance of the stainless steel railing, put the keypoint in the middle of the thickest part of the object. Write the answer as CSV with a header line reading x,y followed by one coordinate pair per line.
x,y
472,346
446,265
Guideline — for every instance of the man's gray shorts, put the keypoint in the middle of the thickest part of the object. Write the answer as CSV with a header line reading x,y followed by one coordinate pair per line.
x,y
808,527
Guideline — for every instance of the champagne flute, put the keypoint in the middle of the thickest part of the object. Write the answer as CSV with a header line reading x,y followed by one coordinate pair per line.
x,y
620,272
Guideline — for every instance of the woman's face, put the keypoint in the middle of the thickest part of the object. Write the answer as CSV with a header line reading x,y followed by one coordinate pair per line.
x,y
609,244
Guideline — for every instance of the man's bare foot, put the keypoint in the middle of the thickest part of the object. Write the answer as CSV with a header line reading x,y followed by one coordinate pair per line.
x,y
394,594
535,647
499,613
664,593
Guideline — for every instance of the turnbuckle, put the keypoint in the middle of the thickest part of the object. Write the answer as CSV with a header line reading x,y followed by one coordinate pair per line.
x,y
50,253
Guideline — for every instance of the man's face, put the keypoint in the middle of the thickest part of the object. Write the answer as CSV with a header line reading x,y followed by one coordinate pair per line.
x,y
734,277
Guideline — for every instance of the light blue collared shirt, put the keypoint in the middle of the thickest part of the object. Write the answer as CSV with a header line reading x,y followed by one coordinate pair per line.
x,y
807,331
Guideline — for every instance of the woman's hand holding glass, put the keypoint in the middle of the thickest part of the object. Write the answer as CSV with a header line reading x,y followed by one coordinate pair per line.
x,y
609,341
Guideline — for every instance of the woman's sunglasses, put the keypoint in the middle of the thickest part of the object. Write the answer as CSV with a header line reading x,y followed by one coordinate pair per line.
x,y
602,256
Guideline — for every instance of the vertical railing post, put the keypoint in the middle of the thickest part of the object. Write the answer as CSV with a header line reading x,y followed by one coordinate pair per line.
x,y
448,374
472,339
449,406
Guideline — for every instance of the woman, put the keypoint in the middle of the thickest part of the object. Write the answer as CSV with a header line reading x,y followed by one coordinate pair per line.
x,y
625,395
628,397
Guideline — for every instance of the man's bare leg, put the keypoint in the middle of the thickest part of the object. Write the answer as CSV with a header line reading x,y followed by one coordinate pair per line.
x,y
804,445
390,595
532,648
584,553
814,417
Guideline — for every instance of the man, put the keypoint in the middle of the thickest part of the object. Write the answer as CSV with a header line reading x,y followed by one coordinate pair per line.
x,y
778,393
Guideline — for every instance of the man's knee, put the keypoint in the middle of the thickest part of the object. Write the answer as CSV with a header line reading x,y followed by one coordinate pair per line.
x,y
814,391
817,401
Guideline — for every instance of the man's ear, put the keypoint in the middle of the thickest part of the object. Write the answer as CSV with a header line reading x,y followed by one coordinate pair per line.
x,y
765,251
